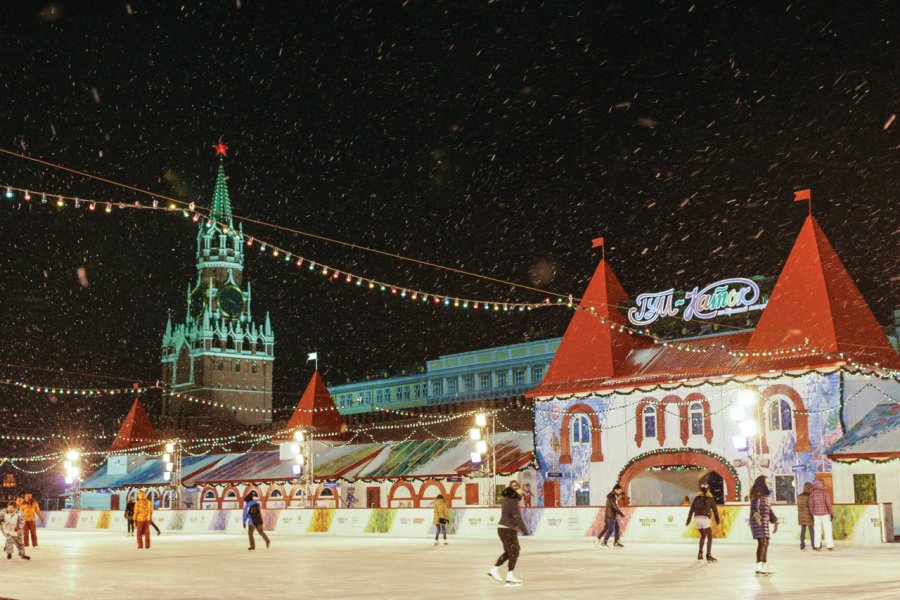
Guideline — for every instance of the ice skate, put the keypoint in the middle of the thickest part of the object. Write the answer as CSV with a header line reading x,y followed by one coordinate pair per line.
x,y
700,555
604,544
710,558
494,573
761,568
512,580
445,542
24,557
435,543
768,568
268,543
9,556
619,545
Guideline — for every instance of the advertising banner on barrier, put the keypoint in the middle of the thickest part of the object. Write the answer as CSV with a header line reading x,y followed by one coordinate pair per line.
x,y
414,522
856,523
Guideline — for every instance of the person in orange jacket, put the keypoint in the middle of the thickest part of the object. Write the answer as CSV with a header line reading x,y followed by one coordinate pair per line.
x,y
31,508
143,514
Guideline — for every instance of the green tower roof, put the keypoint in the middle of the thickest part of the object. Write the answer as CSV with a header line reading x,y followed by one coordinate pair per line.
x,y
221,204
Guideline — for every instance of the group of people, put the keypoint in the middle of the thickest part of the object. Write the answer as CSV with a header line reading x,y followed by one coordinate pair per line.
x,y
815,513
19,525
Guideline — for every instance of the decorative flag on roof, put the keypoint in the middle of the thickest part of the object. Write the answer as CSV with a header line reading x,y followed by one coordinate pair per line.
x,y
803,195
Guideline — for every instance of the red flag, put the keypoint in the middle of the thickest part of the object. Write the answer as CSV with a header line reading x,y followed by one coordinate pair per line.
x,y
598,243
802,195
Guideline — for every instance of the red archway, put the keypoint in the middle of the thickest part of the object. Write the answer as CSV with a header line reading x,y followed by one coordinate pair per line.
x,y
403,484
273,488
565,457
801,419
674,459
440,490
453,496
215,500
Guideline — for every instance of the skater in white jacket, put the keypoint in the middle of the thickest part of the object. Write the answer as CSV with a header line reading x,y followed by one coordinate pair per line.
x,y
12,521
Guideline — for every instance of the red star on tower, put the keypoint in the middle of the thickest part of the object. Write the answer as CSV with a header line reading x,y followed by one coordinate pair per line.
x,y
221,149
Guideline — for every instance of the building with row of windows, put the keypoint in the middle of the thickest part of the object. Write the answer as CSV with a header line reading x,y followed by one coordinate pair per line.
x,y
454,379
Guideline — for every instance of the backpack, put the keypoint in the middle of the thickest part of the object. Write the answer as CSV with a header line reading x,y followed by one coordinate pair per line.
x,y
255,514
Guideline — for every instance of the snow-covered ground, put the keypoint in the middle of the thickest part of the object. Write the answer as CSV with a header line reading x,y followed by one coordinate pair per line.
x,y
99,565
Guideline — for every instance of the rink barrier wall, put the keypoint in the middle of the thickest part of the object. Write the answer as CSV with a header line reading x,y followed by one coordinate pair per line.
x,y
859,524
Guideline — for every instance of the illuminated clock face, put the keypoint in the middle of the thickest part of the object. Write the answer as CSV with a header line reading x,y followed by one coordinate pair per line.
x,y
230,300
198,301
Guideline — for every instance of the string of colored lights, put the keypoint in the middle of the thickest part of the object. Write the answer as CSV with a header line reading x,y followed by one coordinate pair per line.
x,y
336,274
174,203
66,391
281,253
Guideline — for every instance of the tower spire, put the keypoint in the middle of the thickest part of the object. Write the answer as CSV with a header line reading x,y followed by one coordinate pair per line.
x,y
221,204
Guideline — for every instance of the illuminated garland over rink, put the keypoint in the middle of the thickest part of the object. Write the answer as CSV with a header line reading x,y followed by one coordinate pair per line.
x,y
191,210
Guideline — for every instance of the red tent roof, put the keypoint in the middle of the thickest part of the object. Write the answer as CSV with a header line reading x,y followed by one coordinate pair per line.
x,y
316,409
137,429
816,300
591,350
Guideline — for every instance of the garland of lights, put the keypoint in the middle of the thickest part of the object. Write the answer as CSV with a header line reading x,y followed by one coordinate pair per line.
x,y
661,451
489,305
77,391
711,381
288,256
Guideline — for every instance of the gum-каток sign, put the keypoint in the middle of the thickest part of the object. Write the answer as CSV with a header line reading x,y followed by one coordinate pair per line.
x,y
721,298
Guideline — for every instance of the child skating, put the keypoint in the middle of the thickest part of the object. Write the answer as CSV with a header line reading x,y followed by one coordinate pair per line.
x,y
703,508
12,522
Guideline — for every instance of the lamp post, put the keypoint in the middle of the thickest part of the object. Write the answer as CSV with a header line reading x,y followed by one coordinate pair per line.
x,y
172,472
72,466
304,464
485,452
745,414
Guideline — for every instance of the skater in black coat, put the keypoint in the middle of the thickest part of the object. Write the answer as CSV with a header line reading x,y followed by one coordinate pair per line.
x,y
703,509
511,523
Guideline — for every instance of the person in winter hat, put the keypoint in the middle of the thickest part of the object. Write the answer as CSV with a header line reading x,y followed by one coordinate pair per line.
x,y
760,516
129,516
12,521
441,518
143,514
703,509
613,512
511,523
822,512
253,517
31,510
805,517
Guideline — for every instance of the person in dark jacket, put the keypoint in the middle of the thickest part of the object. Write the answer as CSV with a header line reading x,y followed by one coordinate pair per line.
x,y
805,517
511,523
129,516
253,516
613,512
703,509
760,516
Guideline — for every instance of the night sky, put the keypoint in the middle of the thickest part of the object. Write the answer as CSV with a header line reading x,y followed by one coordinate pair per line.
x,y
497,137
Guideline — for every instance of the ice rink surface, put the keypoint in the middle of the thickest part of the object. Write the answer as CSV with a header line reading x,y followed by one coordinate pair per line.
x,y
105,565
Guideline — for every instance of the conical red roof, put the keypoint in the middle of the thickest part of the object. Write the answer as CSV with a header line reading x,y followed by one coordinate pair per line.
x,y
591,350
815,300
137,430
317,409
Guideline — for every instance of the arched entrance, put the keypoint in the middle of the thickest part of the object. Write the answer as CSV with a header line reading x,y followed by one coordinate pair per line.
x,y
682,457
